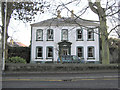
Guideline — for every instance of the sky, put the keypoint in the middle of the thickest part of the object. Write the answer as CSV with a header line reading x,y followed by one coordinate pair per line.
x,y
21,32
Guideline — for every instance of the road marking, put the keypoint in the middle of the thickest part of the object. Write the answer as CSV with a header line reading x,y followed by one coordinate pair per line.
x,y
87,79
74,79
16,79
29,80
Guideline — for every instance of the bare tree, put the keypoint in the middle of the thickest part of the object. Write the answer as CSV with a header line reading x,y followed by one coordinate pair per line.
x,y
108,12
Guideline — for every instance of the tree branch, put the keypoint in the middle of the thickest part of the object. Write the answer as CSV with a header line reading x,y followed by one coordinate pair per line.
x,y
113,28
114,13
92,7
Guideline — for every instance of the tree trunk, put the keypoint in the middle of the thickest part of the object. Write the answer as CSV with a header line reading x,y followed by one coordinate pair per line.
x,y
97,8
104,35
104,39
118,52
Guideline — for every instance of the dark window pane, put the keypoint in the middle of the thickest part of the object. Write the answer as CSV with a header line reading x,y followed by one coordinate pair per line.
x,y
91,52
50,34
64,34
39,52
39,34
80,52
90,35
79,34
50,52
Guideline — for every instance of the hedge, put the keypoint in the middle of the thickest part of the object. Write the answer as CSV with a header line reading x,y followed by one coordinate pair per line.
x,y
59,67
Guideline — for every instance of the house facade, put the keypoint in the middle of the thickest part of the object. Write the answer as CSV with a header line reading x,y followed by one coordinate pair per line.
x,y
64,36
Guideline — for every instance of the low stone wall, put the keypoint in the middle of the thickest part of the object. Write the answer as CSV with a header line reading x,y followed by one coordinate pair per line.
x,y
59,67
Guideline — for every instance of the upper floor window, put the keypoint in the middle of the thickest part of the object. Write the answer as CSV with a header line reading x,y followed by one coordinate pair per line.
x,y
50,34
80,52
64,34
49,52
39,52
79,34
39,34
90,52
90,35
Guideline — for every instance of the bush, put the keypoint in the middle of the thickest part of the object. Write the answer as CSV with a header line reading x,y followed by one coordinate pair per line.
x,y
16,60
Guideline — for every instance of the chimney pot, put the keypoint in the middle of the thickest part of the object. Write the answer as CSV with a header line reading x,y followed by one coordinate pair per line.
x,y
58,12
72,14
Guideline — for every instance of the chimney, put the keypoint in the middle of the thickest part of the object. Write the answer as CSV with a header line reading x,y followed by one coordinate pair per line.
x,y
58,12
72,14
11,41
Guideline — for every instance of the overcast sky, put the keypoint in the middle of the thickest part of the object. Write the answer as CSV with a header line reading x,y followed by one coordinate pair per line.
x,y
21,32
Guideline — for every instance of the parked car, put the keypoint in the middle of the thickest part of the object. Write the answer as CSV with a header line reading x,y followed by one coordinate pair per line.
x,y
70,59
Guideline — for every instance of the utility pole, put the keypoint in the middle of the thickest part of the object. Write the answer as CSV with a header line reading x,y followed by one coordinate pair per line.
x,y
4,44
0,49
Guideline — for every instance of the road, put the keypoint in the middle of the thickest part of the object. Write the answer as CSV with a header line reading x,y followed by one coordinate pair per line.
x,y
61,80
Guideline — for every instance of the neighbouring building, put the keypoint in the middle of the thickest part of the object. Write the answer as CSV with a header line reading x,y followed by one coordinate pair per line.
x,y
13,43
64,36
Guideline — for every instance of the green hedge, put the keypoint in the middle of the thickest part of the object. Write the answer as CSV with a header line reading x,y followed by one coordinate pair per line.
x,y
23,52
59,67
15,60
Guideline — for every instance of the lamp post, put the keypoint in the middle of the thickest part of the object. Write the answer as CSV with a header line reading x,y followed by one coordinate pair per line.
x,y
4,38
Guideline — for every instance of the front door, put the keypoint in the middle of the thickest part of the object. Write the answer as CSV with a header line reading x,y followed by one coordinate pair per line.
x,y
65,51
64,48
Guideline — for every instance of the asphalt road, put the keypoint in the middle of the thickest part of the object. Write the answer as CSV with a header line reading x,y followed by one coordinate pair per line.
x,y
61,80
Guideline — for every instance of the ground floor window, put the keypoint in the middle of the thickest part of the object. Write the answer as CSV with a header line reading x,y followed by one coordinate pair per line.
x,y
39,52
90,52
80,52
49,52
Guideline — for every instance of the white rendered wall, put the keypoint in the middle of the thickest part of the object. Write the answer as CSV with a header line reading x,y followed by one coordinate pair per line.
x,y
57,39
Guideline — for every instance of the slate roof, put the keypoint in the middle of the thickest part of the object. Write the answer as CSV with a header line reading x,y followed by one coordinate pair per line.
x,y
65,22
16,44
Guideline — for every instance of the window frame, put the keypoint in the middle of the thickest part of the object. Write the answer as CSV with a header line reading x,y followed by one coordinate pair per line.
x,y
37,52
52,35
92,52
37,35
47,52
92,35
82,51
62,35
77,34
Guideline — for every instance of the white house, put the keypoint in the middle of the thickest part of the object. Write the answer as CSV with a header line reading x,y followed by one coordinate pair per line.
x,y
64,36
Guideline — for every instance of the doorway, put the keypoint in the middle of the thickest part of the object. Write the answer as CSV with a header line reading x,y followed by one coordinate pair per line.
x,y
64,48
65,51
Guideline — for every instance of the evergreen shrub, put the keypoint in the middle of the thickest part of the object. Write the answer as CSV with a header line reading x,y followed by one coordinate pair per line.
x,y
16,59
